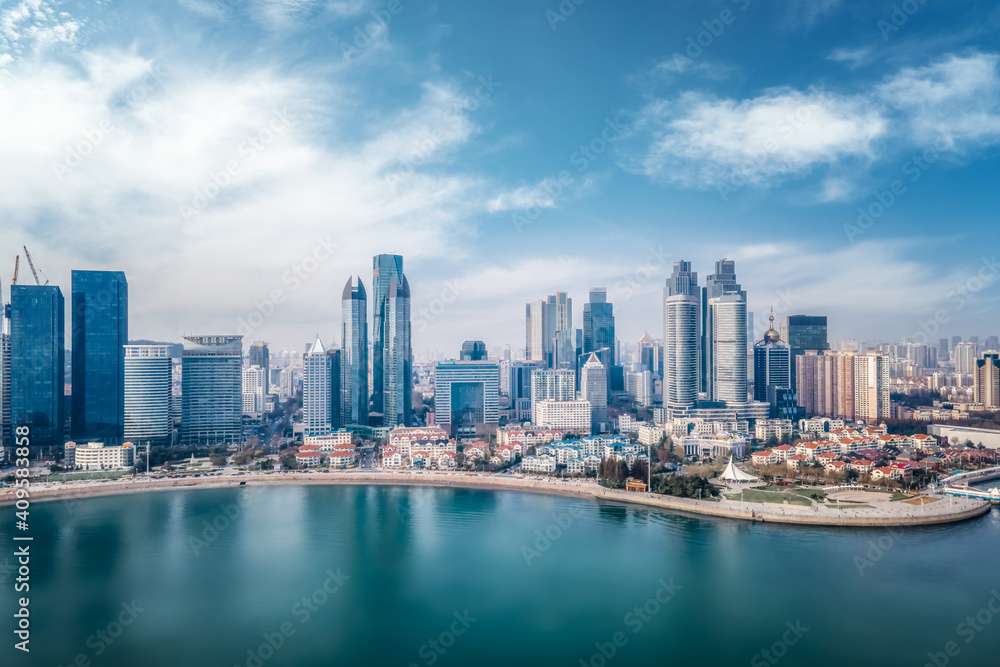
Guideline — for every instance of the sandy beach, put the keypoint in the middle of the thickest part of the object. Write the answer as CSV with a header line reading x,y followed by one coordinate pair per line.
x,y
880,514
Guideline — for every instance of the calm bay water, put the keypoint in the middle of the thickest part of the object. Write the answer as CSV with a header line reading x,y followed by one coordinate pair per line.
x,y
421,576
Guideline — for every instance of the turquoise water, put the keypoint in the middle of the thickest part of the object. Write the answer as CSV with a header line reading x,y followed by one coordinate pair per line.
x,y
421,576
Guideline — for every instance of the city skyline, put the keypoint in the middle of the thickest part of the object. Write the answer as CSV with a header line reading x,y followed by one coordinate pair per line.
x,y
448,160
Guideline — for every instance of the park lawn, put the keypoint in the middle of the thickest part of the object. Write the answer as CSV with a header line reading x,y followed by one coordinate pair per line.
x,y
815,494
757,496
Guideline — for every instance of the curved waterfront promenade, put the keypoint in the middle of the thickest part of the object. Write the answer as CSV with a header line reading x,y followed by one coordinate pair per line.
x,y
882,514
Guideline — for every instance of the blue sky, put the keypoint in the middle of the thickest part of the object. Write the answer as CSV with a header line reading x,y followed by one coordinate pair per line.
x,y
239,159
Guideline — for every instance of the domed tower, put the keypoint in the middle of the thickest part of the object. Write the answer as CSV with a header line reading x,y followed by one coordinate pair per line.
x,y
772,363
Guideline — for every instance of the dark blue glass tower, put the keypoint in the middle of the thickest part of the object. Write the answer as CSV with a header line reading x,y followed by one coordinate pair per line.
x,y
100,332
38,358
387,270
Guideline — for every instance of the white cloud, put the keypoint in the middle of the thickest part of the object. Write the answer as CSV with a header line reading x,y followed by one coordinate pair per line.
x,y
855,57
702,141
957,98
34,25
152,143
539,195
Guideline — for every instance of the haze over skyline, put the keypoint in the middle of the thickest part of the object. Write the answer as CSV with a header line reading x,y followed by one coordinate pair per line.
x,y
209,148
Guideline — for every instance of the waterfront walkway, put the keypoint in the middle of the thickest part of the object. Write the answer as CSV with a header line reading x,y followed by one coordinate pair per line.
x,y
933,510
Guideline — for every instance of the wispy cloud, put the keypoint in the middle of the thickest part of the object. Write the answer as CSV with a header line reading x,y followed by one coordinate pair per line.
x,y
702,141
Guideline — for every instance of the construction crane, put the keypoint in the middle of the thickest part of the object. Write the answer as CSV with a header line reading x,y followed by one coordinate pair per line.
x,y
31,265
17,264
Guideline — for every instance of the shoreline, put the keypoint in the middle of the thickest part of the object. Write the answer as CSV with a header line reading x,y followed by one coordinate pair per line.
x,y
765,512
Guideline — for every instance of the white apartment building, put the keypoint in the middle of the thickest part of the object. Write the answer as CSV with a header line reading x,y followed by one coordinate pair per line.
x,y
98,456
564,415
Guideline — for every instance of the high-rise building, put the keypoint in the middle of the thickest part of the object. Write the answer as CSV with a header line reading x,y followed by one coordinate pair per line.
x,y
467,397
286,383
473,350
966,355
986,380
726,342
594,389
772,364
552,385
354,354
537,337
598,321
560,312
258,355
844,385
254,400
992,343
802,333
639,385
100,333
871,388
719,284
682,281
397,357
681,348
387,270
320,389
37,364
568,346
148,383
212,390
944,350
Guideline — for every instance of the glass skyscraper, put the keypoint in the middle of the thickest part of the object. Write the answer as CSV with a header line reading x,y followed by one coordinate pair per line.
x,y
354,354
37,366
387,271
100,333
397,357
598,321
473,350
681,337
212,390
721,283
148,389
